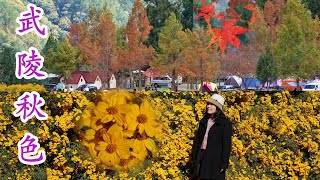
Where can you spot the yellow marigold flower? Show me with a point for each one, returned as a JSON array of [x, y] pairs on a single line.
[[84, 121], [112, 110], [112, 149], [143, 118]]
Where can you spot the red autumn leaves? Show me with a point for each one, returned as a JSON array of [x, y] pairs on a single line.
[[227, 33]]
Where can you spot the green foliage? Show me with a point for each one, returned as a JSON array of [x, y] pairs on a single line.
[[261, 3], [266, 67], [51, 44], [296, 50], [314, 6], [158, 12], [9, 11], [64, 59], [171, 47], [8, 67]]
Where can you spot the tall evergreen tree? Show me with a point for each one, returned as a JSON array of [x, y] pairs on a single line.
[[7, 65], [296, 50], [158, 12], [171, 57], [314, 6], [51, 44], [267, 68], [64, 59]]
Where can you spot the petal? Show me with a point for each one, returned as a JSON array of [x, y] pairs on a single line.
[[124, 108], [123, 154], [116, 138], [150, 130], [131, 122], [141, 128], [92, 150], [115, 130], [150, 144], [107, 118], [141, 155], [145, 107], [93, 124], [101, 146], [113, 158], [128, 133], [106, 138], [137, 146], [90, 134], [119, 119]]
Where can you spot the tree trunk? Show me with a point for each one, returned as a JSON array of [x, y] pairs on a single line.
[[298, 86], [173, 83], [201, 83], [140, 80], [131, 80]]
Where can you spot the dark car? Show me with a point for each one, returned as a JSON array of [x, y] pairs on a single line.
[[90, 87], [50, 87], [87, 87], [80, 88]]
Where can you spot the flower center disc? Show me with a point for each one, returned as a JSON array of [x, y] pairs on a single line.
[[112, 110], [142, 119], [111, 148]]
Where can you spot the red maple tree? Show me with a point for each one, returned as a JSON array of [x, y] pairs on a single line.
[[136, 54]]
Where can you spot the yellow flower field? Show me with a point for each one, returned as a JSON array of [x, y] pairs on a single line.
[[149, 135]]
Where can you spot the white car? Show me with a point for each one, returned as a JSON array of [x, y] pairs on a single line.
[[311, 87], [226, 88], [160, 81]]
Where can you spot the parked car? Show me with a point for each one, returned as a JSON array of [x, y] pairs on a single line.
[[50, 87], [226, 88], [312, 87], [90, 87], [160, 81], [87, 87]]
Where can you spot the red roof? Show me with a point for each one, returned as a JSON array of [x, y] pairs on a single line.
[[151, 73], [89, 76], [74, 78]]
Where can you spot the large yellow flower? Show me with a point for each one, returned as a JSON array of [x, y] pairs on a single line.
[[112, 110], [113, 147], [142, 118], [122, 97], [140, 148], [91, 133]]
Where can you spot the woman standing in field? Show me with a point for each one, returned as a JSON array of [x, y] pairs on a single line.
[[212, 143]]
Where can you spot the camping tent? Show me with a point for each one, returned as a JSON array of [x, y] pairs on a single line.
[[275, 83], [251, 83], [290, 84], [209, 86], [234, 81]]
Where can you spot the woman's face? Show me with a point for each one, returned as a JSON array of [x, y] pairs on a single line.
[[211, 108]]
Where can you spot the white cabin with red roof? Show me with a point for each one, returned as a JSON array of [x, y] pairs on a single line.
[[79, 78]]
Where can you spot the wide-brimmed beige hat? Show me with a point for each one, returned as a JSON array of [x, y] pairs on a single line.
[[217, 100]]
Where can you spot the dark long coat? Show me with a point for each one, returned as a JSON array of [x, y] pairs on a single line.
[[216, 156]]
